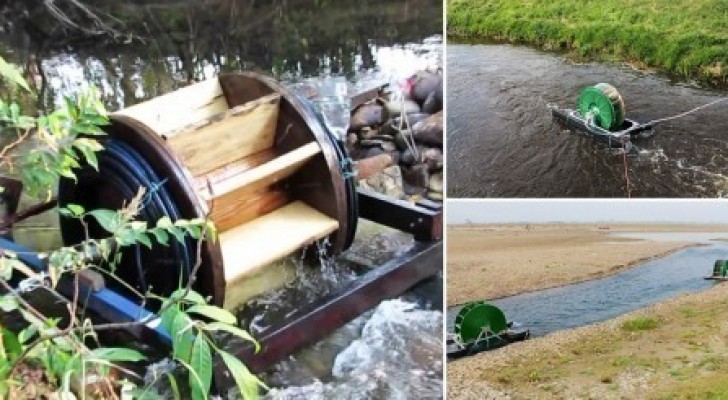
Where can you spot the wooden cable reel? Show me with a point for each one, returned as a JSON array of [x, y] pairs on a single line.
[[240, 145]]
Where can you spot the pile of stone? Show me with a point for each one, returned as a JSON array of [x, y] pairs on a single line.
[[397, 141]]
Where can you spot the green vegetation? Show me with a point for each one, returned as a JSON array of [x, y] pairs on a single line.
[[49, 357], [680, 37], [639, 324]]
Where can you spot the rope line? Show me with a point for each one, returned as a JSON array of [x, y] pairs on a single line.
[[686, 113], [626, 170]]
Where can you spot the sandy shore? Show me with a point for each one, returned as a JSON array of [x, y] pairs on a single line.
[[674, 349], [491, 261], [684, 355]]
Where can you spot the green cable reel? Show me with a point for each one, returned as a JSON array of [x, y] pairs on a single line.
[[720, 268], [476, 316], [604, 103]]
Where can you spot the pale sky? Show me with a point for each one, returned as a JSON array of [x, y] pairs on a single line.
[[589, 210]]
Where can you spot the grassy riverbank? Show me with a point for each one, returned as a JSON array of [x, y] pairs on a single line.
[[688, 38]]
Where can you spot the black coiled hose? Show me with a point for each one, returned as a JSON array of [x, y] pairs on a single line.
[[122, 171]]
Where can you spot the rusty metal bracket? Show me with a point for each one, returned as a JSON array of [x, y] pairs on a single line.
[[423, 221]]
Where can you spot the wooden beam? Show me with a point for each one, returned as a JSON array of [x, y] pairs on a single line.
[[237, 133], [262, 176]]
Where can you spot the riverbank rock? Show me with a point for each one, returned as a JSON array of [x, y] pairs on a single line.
[[368, 115], [398, 107], [429, 131], [406, 133], [388, 182], [371, 166], [426, 86]]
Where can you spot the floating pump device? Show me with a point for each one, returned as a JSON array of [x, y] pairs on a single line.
[[600, 112], [720, 270], [480, 326], [239, 147]]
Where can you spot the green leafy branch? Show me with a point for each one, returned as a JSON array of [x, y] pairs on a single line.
[[62, 139]]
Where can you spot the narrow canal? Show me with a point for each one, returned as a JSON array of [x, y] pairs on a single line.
[[588, 302], [501, 133]]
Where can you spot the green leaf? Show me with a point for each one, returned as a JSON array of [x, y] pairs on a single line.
[[247, 382], [161, 235], [144, 239], [213, 312], [217, 326], [191, 296], [192, 372], [26, 334], [211, 230], [13, 74], [12, 345], [8, 303], [164, 223], [182, 337], [168, 316], [90, 157], [173, 385], [201, 362], [108, 219], [75, 209], [7, 265], [178, 233], [116, 354]]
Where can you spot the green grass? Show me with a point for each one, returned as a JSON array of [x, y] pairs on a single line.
[[688, 38], [639, 324]]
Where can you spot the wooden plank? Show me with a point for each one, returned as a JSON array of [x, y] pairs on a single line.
[[237, 133], [262, 176], [250, 247], [173, 111], [237, 167], [237, 211]]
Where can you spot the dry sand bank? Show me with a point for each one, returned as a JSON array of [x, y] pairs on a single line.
[[679, 350], [674, 349], [491, 261]]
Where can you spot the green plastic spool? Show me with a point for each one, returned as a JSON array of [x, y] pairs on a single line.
[[720, 269], [605, 103], [475, 316]]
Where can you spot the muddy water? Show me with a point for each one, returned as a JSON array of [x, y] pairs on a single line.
[[506, 144], [602, 299]]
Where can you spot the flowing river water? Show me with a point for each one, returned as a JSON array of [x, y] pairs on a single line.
[[393, 351], [505, 144], [580, 304]]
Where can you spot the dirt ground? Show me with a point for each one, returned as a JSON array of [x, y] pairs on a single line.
[[492, 261], [676, 349]]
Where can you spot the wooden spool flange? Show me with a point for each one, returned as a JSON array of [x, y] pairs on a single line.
[[240, 147]]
